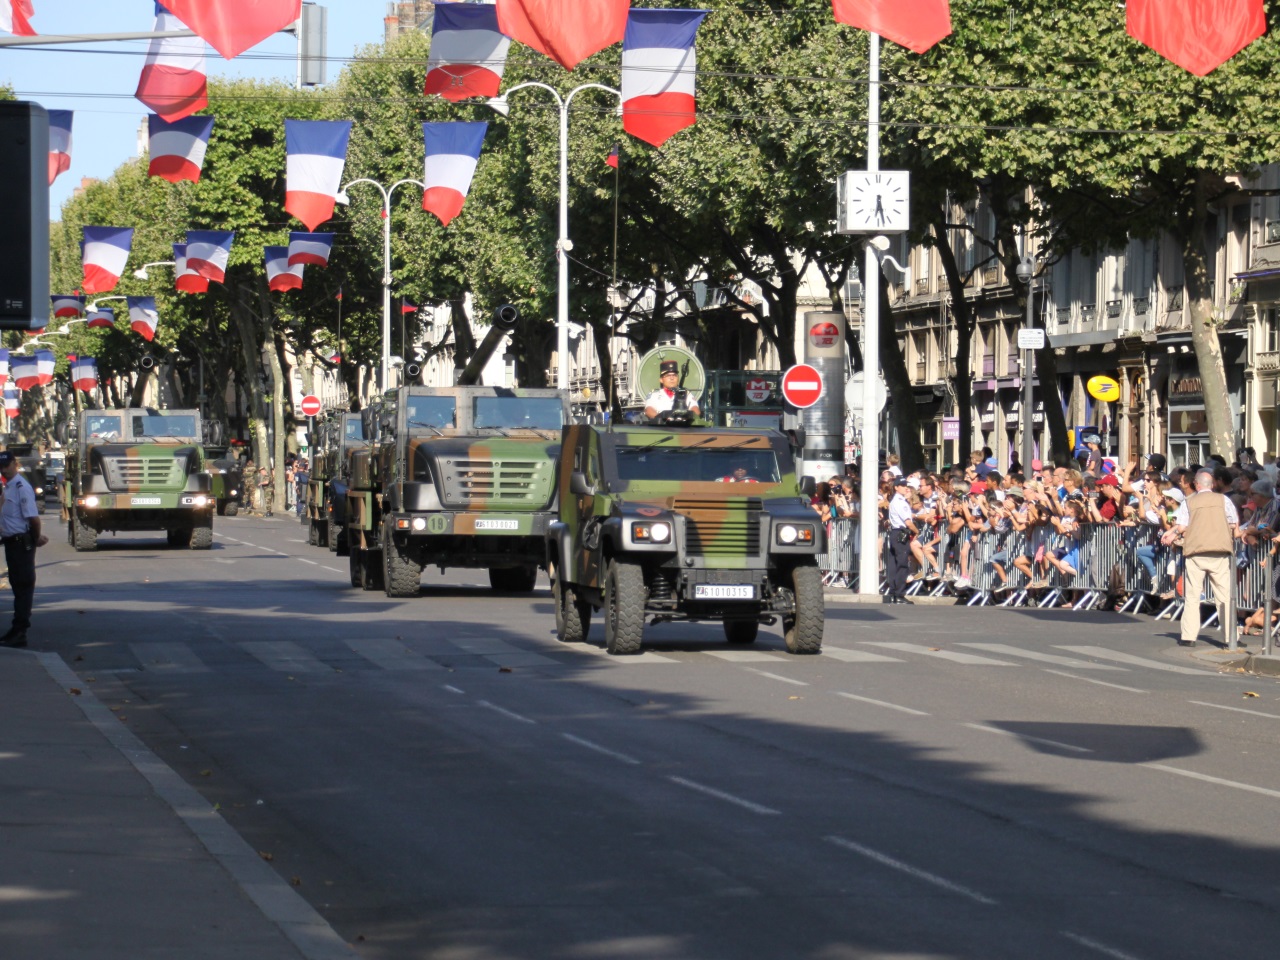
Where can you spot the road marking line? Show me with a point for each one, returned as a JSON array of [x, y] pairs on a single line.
[[1043, 657], [1219, 706], [1106, 654], [292, 540], [304, 560], [453, 689], [599, 749], [1101, 948], [331, 569], [1101, 683], [1022, 736], [727, 797], [504, 711], [916, 872], [882, 703], [1218, 780], [857, 656], [952, 655], [777, 676]]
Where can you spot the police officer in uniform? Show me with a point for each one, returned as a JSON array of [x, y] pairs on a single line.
[[664, 398], [20, 533], [902, 527]]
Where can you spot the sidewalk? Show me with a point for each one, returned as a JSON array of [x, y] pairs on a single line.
[[109, 854]]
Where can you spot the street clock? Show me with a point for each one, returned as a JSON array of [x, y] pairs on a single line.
[[873, 201]]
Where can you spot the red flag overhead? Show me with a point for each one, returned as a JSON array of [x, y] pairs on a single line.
[[1197, 35], [233, 26], [567, 31], [914, 24]]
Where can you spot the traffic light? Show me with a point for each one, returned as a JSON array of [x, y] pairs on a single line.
[[24, 242]]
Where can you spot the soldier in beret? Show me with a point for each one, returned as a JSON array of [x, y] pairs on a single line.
[[664, 398]]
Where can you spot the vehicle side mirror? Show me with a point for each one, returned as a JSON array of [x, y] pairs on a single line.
[[578, 484], [808, 486], [796, 438]]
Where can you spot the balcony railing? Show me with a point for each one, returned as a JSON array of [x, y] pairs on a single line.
[[1114, 308], [1173, 300], [1064, 316], [990, 276], [1267, 362], [922, 286], [1141, 306]]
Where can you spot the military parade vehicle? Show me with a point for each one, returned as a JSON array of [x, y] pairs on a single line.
[[461, 476], [226, 474], [679, 520], [330, 443], [139, 469]]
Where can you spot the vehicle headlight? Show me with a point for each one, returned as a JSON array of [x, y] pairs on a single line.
[[234, 492], [650, 532], [90, 501], [201, 500], [419, 523], [39, 491], [795, 533]]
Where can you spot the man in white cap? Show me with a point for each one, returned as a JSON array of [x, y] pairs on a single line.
[[664, 398], [20, 534]]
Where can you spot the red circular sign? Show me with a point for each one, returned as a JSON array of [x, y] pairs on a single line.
[[802, 386], [758, 391], [824, 334], [310, 406]]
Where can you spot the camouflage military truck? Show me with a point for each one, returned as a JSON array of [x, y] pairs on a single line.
[[324, 516], [139, 469], [664, 523], [226, 475]]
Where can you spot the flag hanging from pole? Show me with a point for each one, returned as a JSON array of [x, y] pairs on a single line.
[[15, 17], [452, 152], [468, 52], [174, 81], [1197, 35], [25, 371], [59, 142], [66, 306], [208, 252], [12, 400], [233, 26], [177, 148], [104, 251], [612, 159], [45, 364], [315, 154], [104, 318], [659, 68], [186, 280], [4, 367], [310, 248], [408, 307], [335, 357], [914, 24], [567, 31], [84, 374], [281, 273], [144, 318]]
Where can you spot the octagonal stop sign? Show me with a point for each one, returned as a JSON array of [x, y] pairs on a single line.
[[310, 406], [802, 386]]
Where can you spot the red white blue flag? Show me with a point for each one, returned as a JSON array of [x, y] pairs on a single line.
[[315, 153], [233, 26], [335, 357], [144, 319], [65, 305], [208, 252], [25, 371], [281, 273], [174, 81], [914, 24], [84, 374], [104, 251], [104, 318], [468, 52], [45, 363], [310, 248], [1197, 35], [15, 17], [452, 152], [4, 367], [186, 280], [567, 31], [59, 142], [12, 400], [177, 148], [658, 73], [612, 158]]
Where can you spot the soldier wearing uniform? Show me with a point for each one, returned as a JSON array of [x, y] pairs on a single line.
[[20, 534], [664, 398], [902, 527]]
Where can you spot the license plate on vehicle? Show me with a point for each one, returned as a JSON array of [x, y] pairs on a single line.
[[724, 591], [145, 501], [497, 524]]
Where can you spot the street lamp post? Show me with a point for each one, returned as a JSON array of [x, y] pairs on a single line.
[[563, 244], [1025, 272], [387, 193]]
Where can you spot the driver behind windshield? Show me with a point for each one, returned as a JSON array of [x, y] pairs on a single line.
[[664, 398]]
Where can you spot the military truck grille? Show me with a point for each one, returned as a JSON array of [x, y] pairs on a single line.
[[498, 482], [712, 531], [132, 473]]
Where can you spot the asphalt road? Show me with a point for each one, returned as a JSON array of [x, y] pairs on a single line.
[[441, 778]]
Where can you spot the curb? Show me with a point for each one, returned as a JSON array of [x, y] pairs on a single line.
[[848, 596]]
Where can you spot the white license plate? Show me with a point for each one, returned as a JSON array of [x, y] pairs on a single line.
[[497, 524], [145, 501], [723, 591]]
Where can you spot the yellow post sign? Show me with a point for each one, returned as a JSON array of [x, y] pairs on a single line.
[[1103, 388]]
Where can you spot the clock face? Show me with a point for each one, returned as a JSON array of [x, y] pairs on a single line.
[[877, 202]]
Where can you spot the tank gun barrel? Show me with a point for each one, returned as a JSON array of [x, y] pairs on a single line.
[[504, 321]]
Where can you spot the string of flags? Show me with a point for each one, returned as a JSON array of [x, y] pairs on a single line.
[[452, 152], [59, 142], [174, 80], [282, 273], [177, 148], [84, 373]]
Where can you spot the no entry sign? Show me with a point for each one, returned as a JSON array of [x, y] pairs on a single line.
[[801, 386], [310, 406]]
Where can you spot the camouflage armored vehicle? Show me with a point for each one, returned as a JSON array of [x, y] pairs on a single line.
[[139, 469], [226, 475], [461, 476], [666, 523], [324, 516]]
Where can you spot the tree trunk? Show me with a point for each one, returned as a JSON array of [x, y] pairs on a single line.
[[897, 381], [248, 333], [962, 314], [278, 382]]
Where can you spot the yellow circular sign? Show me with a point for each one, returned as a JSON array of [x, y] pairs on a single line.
[[1103, 388]]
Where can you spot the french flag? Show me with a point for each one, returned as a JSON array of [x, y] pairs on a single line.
[[208, 252], [186, 280], [143, 316], [45, 363], [26, 372], [104, 318], [315, 153], [65, 306], [174, 80], [914, 24], [4, 367], [105, 251], [12, 398], [567, 31], [15, 17], [177, 149], [282, 273], [335, 357], [233, 26], [59, 142], [310, 248], [468, 52], [84, 374], [658, 73], [452, 151]]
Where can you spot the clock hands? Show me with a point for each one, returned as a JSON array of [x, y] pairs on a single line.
[[879, 210]]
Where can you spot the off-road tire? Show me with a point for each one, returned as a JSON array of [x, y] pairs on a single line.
[[202, 537], [371, 570], [623, 608], [338, 539], [741, 631], [401, 574], [322, 532], [313, 534], [353, 568], [513, 579], [231, 509], [573, 616], [221, 508], [802, 629], [83, 537], [179, 539]]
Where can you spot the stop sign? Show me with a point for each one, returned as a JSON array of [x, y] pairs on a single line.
[[310, 406], [802, 386]]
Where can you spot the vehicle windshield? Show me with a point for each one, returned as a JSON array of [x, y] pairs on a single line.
[[355, 429], [433, 412], [181, 426], [108, 428], [698, 464], [518, 413]]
